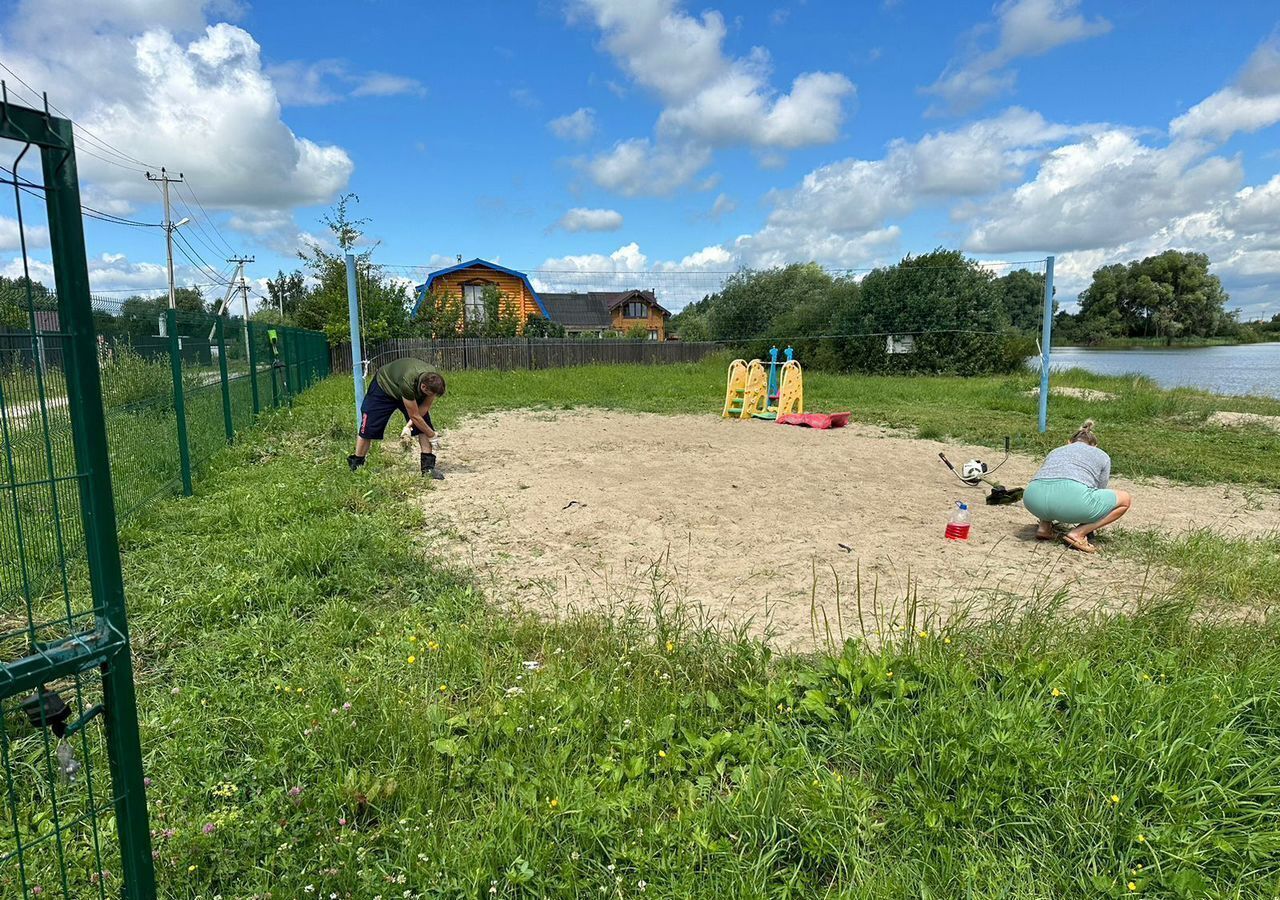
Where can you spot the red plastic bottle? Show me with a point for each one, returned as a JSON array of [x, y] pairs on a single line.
[[958, 524]]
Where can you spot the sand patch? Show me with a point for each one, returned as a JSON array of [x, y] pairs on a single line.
[[1088, 394], [1238, 419], [754, 521]]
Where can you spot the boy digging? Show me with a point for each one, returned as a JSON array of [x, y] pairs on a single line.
[[407, 385]]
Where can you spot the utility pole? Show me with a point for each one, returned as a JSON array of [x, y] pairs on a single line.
[[236, 285], [169, 227]]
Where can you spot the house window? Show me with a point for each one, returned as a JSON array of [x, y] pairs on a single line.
[[635, 309], [653, 334], [473, 301]]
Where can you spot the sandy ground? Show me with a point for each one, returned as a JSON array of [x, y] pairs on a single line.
[[1237, 419], [752, 522]]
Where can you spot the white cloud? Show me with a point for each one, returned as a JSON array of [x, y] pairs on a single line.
[[384, 84], [841, 213], [710, 96], [113, 273], [1250, 104], [1025, 28], [1102, 191], [10, 235], [580, 219], [159, 83], [578, 125], [638, 168], [710, 99], [326, 81], [723, 206]]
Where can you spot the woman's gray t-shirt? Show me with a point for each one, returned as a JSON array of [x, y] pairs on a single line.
[[1078, 462]]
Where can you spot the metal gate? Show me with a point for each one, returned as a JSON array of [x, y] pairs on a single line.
[[71, 827]]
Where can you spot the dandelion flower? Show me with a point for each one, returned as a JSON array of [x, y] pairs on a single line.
[[444, 688], [662, 754], [1131, 886], [1115, 798], [1142, 839], [670, 646], [554, 803], [411, 660], [1056, 692], [924, 634]]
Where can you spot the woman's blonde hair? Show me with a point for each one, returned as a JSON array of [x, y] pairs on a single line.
[[1085, 434]]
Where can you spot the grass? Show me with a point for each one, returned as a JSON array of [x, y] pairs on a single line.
[[326, 713], [1149, 431]]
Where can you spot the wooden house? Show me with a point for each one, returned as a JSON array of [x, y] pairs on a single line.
[[598, 312], [465, 283]]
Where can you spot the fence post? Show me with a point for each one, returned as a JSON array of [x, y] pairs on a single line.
[[98, 513], [253, 367], [226, 382], [1046, 338], [179, 403], [353, 315]]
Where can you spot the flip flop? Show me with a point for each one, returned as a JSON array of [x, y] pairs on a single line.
[[1081, 544]]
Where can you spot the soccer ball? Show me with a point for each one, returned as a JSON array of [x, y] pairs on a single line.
[[973, 470]]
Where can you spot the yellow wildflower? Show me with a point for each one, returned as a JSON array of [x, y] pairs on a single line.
[[1115, 798], [670, 646], [1131, 886], [1142, 839], [444, 688], [924, 634], [662, 754], [554, 804], [411, 660], [413, 639], [191, 868], [1056, 692]]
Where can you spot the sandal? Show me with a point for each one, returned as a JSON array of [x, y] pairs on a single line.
[[1078, 543]]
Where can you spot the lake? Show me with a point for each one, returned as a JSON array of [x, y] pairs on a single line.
[[1238, 369]]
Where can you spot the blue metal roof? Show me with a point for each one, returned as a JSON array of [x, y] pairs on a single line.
[[421, 290]]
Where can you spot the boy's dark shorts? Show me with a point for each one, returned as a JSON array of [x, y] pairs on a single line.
[[376, 411]]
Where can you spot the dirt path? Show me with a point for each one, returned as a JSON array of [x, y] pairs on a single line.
[[752, 521]]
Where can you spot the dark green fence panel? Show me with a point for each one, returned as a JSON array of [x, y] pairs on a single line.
[[105, 404]]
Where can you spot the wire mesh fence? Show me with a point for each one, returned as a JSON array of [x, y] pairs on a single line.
[[74, 813], [509, 354], [105, 404]]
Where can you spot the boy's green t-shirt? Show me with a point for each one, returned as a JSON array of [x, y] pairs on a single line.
[[400, 378]]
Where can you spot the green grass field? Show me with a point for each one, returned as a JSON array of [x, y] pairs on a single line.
[[328, 713]]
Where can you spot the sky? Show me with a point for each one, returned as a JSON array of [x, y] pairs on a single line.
[[660, 136]]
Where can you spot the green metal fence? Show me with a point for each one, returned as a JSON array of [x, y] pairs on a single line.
[[104, 405]]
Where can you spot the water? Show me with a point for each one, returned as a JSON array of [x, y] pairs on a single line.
[[1240, 369]]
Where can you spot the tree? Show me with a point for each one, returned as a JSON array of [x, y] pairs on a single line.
[[951, 306], [288, 292], [637, 333], [539, 327], [382, 300], [16, 301], [1023, 294], [1167, 295]]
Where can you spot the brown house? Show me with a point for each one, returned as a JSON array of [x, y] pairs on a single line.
[[465, 284], [597, 312]]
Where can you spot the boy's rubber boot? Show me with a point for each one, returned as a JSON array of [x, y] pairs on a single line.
[[355, 462], [429, 467]]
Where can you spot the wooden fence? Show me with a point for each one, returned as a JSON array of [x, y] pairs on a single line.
[[523, 353]]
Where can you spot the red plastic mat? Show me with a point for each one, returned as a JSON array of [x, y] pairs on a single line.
[[816, 420]]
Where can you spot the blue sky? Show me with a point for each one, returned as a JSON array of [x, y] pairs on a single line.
[[643, 135]]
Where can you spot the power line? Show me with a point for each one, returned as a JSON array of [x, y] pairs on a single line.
[[105, 145], [191, 192], [192, 256]]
